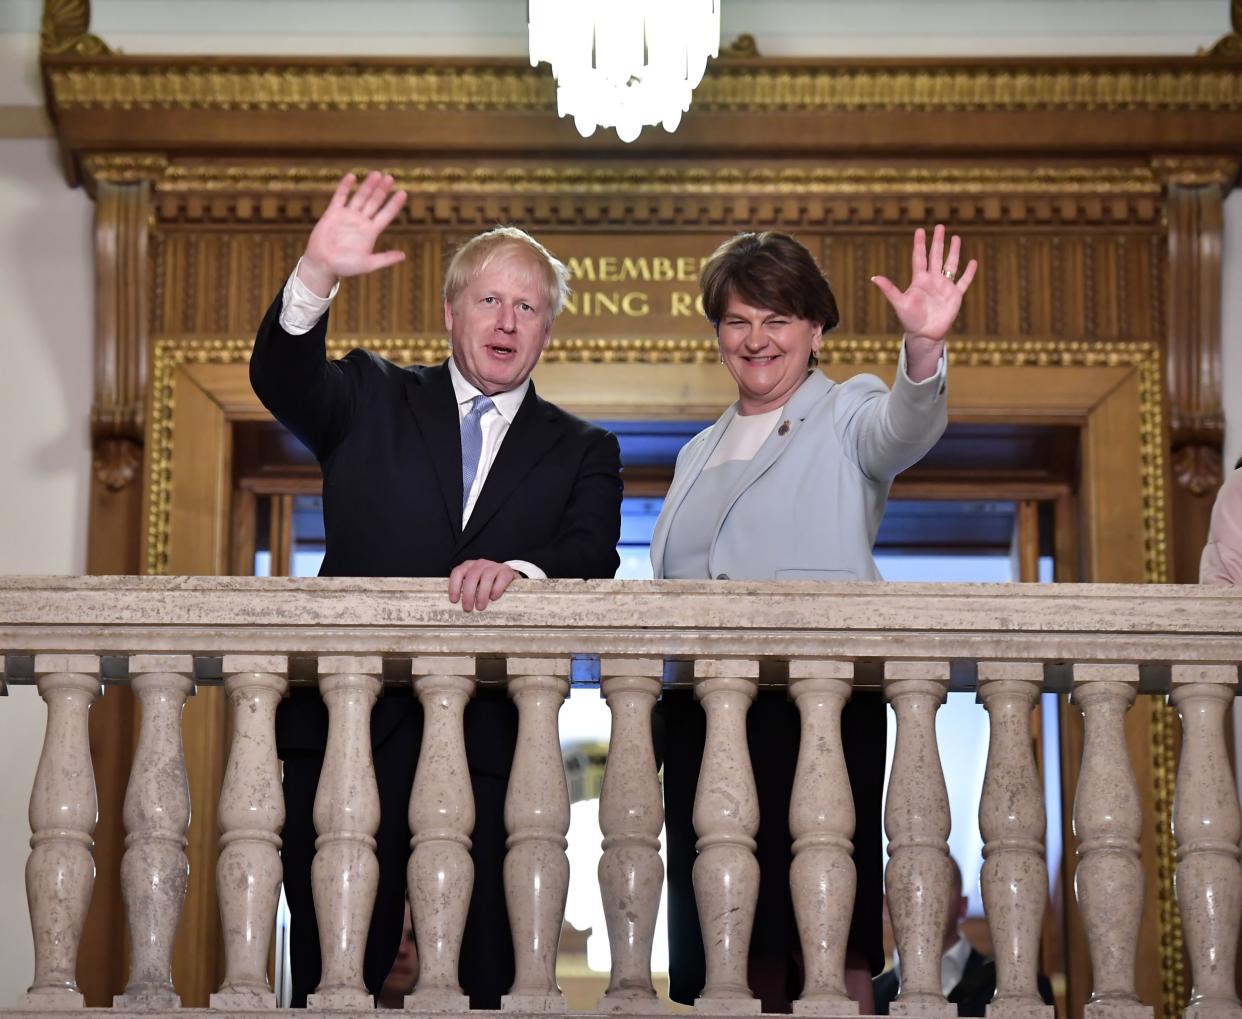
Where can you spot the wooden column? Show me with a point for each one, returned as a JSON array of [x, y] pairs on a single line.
[[1194, 194], [122, 228]]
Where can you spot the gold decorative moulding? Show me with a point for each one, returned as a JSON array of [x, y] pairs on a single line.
[[758, 85]]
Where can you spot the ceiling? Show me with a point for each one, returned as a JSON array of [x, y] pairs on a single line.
[[782, 27]]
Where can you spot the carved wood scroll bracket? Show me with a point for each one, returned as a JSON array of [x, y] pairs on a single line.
[[65, 29], [122, 356], [1231, 44], [1195, 191]]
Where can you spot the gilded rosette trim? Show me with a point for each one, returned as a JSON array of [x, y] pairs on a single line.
[[849, 180], [728, 87], [205, 86], [125, 169], [685, 196], [1191, 171], [1164, 724]]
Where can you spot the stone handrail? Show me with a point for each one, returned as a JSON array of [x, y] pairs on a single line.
[[1102, 643], [210, 616]]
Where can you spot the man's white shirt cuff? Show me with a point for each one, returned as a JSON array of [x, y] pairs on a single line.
[[300, 307], [530, 570]]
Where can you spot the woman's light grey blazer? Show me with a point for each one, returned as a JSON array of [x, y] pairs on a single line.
[[810, 502]]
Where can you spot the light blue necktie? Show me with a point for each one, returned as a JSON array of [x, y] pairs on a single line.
[[472, 444]]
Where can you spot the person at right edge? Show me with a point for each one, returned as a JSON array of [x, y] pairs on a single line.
[[790, 484], [1221, 563]]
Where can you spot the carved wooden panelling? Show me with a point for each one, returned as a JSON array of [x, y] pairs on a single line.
[[221, 283], [1081, 284], [1093, 283], [1066, 252]]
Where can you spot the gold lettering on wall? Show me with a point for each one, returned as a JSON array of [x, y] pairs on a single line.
[[620, 283]]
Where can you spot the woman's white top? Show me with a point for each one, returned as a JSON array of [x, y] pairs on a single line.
[[691, 530]]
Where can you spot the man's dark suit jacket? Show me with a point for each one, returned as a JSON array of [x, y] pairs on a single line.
[[389, 443], [972, 993]]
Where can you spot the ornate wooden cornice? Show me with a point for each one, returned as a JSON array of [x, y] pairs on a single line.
[[766, 108], [685, 195], [737, 85]]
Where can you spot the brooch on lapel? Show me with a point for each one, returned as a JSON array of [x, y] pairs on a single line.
[[784, 428]]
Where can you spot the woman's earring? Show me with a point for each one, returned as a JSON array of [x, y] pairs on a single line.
[[813, 360]]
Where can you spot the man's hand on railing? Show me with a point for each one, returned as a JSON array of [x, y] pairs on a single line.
[[478, 581]]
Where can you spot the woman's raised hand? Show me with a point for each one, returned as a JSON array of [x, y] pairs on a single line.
[[929, 305], [343, 241]]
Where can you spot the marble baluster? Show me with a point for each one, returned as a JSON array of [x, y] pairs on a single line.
[[916, 819], [63, 810], [440, 874], [155, 869], [345, 872], [1107, 822], [536, 871], [631, 814], [726, 818], [1013, 824], [821, 820], [1207, 825], [252, 813]]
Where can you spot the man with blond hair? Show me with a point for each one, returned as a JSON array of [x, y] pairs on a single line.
[[455, 470]]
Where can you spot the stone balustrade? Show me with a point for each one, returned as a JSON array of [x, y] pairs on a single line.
[[1103, 644]]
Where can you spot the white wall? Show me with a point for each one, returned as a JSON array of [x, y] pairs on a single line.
[[1231, 329], [45, 291], [46, 300], [782, 27]]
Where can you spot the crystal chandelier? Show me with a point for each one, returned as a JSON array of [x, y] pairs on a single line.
[[624, 63]]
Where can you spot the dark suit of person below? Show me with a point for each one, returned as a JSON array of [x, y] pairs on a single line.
[[973, 990], [389, 443]]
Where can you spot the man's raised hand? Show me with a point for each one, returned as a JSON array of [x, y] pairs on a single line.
[[343, 241]]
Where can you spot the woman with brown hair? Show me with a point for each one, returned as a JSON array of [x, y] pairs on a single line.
[[790, 484]]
